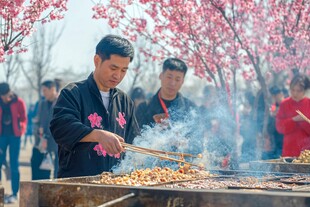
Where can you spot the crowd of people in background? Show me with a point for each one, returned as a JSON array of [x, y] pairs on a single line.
[[65, 126]]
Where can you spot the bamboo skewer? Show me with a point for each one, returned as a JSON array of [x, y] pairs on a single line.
[[160, 156], [158, 153], [161, 152], [303, 116]]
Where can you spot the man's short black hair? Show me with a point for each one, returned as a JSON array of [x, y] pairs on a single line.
[[4, 88], [52, 83], [114, 45], [274, 90], [301, 80], [175, 64], [49, 84], [137, 93]]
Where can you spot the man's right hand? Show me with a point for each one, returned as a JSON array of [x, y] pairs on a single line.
[[158, 118], [110, 142]]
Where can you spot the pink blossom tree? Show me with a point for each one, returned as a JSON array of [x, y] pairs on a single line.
[[223, 40], [17, 19]]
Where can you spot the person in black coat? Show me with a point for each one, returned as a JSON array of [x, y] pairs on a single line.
[[92, 117], [167, 103]]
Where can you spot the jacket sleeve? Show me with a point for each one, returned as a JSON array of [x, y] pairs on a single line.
[[140, 114], [22, 116], [41, 114], [66, 125], [304, 124], [284, 125], [133, 130]]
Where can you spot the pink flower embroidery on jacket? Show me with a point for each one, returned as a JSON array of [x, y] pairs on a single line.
[[121, 119], [95, 120], [102, 152]]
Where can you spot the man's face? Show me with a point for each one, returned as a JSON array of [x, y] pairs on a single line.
[[297, 93], [49, 93], [109, 73], [171, 82], [7, 97]]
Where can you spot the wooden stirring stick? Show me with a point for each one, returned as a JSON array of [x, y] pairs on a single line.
[[303, 116], [162, 152], [161, 156]]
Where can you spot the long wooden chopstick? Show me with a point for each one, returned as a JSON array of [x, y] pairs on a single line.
[[162, 152], [160, 156], [303, 116]]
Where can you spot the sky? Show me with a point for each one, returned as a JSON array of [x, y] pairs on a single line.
[[76, 46]]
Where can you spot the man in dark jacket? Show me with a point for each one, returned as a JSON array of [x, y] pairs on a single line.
[[92, 118], [167, 102], [13, 123], [45, 144]]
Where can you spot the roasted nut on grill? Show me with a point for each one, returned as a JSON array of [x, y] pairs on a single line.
[[155, 176], [304, 157]]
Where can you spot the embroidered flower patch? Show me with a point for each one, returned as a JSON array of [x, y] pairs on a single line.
[[121, 119], [95, 120], [102, 152]]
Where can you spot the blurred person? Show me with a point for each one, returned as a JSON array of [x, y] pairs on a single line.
[[295, 129], [218, 127], [46, 143], [29, 132], [276, 139], [137, 95], [168, 102], [92, 118], [248, 130], [13, 118]]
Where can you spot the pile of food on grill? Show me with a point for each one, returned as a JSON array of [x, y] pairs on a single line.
[[232, 183], [304, 157], [302, 179], [153, 176], [195, 179]]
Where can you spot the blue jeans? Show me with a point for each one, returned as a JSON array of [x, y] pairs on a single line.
[[14, 149]]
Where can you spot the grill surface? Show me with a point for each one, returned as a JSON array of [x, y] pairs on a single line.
[[278, 165], [82, 192]]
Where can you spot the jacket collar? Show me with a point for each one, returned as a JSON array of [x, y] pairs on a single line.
[[94, 88], [179, 96]]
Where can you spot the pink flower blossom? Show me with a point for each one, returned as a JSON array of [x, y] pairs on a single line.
[[102, 152], [18, 19], [95, 120], [121, 119]]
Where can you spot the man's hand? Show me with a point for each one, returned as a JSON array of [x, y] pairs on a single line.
[[110, 142], [158, 118], [298, 118]]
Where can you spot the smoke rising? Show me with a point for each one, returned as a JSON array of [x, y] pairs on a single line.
[[188, 135]]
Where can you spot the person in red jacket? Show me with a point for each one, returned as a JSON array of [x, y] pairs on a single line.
[[295, 129], [13, 122]]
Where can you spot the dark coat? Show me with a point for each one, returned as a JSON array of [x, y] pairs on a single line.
[[177, 109], [70, 124], [45, 114]]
